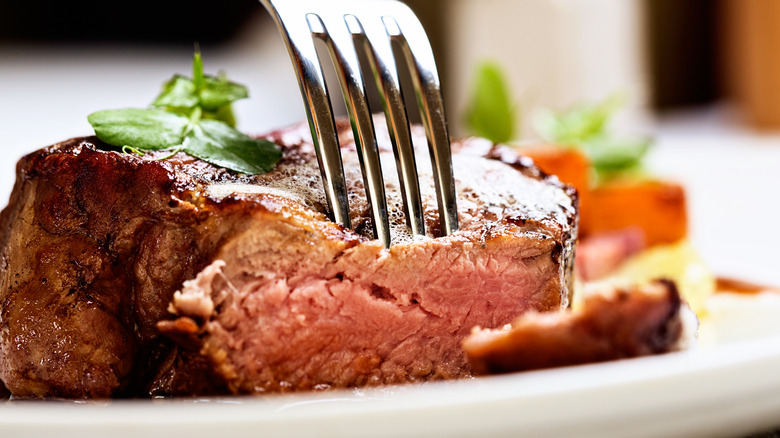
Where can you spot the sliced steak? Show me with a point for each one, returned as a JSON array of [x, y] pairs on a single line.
[[613, 323], [95, 242]]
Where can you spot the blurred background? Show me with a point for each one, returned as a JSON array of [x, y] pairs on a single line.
[[700, 76], [666, 54]]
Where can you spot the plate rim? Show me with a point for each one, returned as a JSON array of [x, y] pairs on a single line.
[[679, 398]]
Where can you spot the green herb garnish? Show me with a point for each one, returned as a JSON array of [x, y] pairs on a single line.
[[491, 113], [587, 127], [190, 115]]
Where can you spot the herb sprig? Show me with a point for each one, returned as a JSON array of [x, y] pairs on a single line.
[[586, 127], [192, 115], [492, 115]]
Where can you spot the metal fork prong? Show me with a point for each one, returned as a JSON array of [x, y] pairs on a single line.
[[404, 28], [335, 34], [372, 37], [410, 37], [300, 45]]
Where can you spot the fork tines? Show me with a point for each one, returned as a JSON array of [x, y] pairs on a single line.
[[346, 26]]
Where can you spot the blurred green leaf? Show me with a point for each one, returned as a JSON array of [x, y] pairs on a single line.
[[586, 127], [578, 123], [490, 113]]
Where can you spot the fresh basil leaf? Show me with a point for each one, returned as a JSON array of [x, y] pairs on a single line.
[[213, 94], [214, 97], [219, 144], [193, 115], [491, 113], [145, 129], [218, 92], [224, 114], [178, 92]]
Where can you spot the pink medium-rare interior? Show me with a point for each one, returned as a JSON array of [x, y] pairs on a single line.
[[283, 313]]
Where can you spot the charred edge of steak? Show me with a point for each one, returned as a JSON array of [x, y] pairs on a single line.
[[5, 394], [185, 373], [72, 269], [9, 214], [617, 324], [526, 166], [106, 239]]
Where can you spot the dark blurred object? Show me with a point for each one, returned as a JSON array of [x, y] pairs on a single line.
[[683, 49], [752, 62], [152, 21]]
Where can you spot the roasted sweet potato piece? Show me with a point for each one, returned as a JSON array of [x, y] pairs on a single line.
[[657, 207]]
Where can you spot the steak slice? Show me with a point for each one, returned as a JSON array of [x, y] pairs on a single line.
[[95, 243], [614, 322]]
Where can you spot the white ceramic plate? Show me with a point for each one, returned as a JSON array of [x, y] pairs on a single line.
[[728, 390]]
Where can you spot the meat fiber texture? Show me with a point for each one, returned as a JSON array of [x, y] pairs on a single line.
[[270, 295]]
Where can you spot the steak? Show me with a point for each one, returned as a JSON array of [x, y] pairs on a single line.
[[614, 322], [272, 295]]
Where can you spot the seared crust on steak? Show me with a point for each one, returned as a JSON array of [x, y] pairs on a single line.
[[615, 322], [95, 242]]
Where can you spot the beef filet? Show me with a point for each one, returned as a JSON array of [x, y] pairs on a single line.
[[95, 243]]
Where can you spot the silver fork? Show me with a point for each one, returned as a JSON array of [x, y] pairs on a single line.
[[346, 26]]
